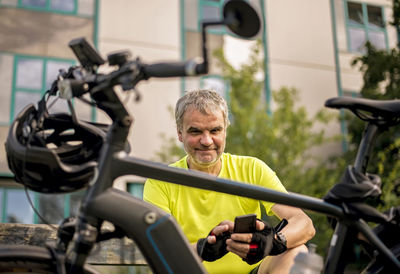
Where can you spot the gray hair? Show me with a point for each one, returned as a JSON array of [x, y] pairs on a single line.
[[203, 100]]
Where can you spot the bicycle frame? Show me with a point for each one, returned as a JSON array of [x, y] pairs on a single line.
[[149, 226]]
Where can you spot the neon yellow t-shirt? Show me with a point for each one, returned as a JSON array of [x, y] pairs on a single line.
[[198, 211]]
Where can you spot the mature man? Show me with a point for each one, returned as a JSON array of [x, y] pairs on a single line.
[[206, 217]]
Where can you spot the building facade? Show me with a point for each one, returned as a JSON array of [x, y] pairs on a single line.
[[307, 45]]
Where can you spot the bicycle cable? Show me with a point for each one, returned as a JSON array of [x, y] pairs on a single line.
[[37, 212]]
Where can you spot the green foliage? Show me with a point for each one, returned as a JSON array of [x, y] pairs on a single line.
[[390, 174], [381, 73], [171, 151], [396, 14]]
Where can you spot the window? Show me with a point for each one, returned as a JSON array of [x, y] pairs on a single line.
[[194, 14], [15, 206], [217, 83], [51, 207], [211, 10], [55, 207], [52, 5], [34, 3], [63, 5], [136, 189], [365, 23], [75, 7], [32, 77]]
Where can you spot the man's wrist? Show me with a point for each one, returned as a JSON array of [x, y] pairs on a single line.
[[279, 244]]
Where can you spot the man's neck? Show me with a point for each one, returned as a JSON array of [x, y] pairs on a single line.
[[213, 169]]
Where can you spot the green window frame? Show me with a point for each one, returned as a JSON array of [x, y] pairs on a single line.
[[365, 22], [50, 5], [211, 5], [67, 7], [32, 76]]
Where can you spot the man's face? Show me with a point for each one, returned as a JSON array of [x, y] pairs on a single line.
[[203, 137]]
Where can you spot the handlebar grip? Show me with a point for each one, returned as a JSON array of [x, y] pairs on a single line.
[[175, 69]]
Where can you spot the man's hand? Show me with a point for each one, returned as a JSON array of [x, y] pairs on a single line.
[[213, 246], [241, 243], [253, 247]]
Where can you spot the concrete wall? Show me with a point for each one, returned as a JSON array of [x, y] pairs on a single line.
[[151, 31], [39, 33], [301, 54], [6, 64]]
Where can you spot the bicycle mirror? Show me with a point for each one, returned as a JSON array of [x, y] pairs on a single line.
[[241, 18]]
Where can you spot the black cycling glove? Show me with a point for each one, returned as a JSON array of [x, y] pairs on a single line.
[[264, 243], [211, 252]]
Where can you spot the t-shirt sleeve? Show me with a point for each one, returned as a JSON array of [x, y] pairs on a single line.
[[268, 179], [156, 192]]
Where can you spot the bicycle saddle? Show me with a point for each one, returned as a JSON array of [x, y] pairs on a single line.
[[387, 109]]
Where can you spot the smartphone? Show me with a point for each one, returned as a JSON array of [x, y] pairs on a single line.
[[245, 223]]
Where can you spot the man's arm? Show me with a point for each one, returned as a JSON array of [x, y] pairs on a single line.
[[300, 228]]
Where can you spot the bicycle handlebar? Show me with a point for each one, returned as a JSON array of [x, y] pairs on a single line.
[[129, 74], [175, 69]]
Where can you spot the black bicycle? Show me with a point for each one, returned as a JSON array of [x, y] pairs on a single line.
[[92, 156]]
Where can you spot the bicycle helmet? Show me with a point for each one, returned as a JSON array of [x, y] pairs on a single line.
[[52, 153]]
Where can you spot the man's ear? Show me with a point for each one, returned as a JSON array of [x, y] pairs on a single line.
[[179, 135]]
